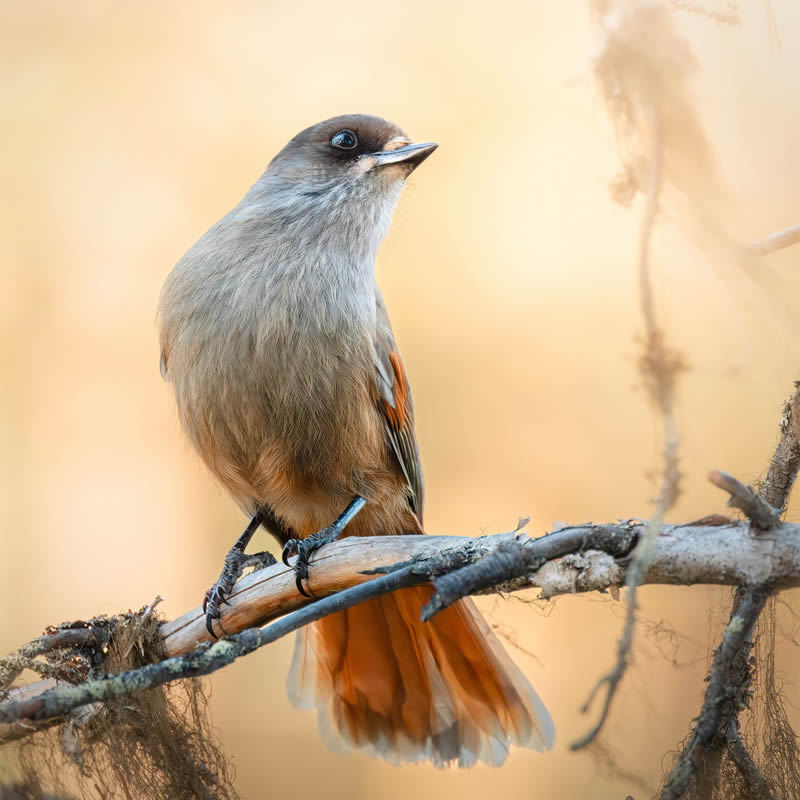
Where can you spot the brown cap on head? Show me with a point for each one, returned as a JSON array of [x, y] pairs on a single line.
[[340, 142]]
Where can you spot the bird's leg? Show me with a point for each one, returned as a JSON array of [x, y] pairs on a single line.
[[305, 547], [235, 563]]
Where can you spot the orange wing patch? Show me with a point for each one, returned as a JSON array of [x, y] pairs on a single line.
[[397, 414]]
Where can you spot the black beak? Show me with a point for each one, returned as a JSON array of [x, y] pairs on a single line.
[[411, 154]]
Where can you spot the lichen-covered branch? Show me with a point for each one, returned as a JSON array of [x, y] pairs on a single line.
[[731, 672], [745, 764], [581, 558], [719, 691], [200, 661], [782, 473], [684, 555]]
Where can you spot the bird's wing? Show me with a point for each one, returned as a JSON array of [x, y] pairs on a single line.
[[162, 364], [164, 346], [394, 400]]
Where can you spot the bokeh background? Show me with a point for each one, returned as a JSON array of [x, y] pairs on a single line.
[[128, 129]]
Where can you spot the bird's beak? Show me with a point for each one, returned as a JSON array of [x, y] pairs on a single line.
[[411, 154]]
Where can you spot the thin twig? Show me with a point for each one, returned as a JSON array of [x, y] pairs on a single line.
[[775, 241], [520, 558], [659, 367], [25, 657], [756, 509]]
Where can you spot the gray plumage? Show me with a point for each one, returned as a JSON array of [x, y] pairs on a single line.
[[270, 325], [288, 382]]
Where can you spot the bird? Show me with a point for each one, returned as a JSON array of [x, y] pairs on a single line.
[[277, 342]]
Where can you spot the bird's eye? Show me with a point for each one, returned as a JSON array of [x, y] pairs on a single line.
[[344, 140]]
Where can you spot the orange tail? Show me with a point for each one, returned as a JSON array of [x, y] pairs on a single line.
[[443, 691]]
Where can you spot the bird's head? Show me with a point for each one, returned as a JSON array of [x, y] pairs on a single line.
[[347, 168]]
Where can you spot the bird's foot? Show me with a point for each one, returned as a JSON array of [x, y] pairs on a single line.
[[304, 548], [236, 562]]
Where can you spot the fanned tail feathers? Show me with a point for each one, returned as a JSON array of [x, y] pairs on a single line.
[[443, 691]]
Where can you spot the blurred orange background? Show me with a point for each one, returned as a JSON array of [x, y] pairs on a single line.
[[510, 277]]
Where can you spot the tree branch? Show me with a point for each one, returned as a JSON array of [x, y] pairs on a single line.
[[745, 764], [201, 661], [782, 473], [582, 558], [764, 555], [731, 671], [684, 555], [718, 692]]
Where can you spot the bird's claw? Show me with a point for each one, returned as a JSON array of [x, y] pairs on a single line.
[[297, 547], [214, 598], [303, 548], [235, 563]]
